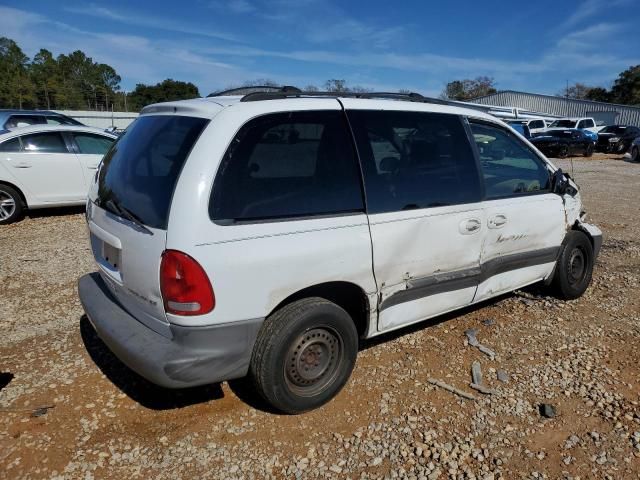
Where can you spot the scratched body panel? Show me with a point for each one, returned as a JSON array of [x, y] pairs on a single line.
[[419, 244]]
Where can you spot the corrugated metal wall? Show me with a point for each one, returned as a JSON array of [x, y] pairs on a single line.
[[625, 115]]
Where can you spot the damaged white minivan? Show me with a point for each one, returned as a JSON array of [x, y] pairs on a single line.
[[264, 235]]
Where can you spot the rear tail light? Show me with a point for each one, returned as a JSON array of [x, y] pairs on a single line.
[[184, 285]]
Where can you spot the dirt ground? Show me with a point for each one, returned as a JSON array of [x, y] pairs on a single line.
[[70, 409]]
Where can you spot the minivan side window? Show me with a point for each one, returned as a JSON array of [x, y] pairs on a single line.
[[50, 142], [509, 167], [413, 160], [288, 165]]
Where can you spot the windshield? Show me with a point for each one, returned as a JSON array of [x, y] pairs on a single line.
[[140, 171], [614, 129], [563, 124]]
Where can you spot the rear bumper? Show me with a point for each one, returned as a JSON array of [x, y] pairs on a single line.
[[194, 356]]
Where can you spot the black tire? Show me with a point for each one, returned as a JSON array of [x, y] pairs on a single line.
[[635, 154], [574, 267], [589, 150], [304, 355], [11, 206], [563, 151]]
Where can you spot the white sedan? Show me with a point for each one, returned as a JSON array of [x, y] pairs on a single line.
[[48, 166]]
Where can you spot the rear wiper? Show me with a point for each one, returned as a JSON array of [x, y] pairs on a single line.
[[126, 213]]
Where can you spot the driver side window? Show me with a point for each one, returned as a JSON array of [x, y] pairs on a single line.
[[509, 167]]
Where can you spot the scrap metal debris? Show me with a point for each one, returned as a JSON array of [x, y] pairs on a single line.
[[451, 389], [473, 341], [476, 376], [35, 412]]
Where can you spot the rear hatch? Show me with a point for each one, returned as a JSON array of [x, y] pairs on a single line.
[[128, 210]]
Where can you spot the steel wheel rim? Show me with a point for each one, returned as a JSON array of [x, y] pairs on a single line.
[[313, 360], [7, 205], [577, 266]]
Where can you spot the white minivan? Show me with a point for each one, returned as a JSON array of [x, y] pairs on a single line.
[[264, 235]]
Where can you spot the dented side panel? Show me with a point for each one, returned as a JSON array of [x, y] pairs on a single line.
[[414, 245], [520, 226]]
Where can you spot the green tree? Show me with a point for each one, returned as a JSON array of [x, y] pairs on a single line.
[[165, 91], [44, 74], [16, 88], [598, 94], [469, 89], [626, 89]]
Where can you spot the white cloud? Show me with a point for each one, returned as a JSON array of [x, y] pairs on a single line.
[[144, 20]]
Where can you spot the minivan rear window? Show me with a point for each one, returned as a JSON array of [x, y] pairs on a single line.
[[140, 171]]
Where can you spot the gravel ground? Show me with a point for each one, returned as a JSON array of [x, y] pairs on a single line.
[[71, 410]]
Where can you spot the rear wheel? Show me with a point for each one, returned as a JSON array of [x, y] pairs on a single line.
[[304, 354], [574, 267], [10, 205], [563, 151], [589, 150]]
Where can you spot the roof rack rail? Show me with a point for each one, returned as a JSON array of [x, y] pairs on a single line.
[[249, 90], [407, 97]]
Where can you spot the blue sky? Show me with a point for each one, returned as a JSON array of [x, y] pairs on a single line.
[[525, 45]]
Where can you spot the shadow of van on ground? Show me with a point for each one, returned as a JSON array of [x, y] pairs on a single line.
[[136, 387]]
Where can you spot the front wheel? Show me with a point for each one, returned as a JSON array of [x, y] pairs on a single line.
[[589, 150], [635, 154], [304, 355], [563, 152], [10, 205], [574, 267]]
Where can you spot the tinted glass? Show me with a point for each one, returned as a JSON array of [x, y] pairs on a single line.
[[23, 121], [614, 129], [50, 142], [92, 144], [414, 160], [287, 165], [12, 145], [509, 167], [141, 169], [563, 124], [588, 123]]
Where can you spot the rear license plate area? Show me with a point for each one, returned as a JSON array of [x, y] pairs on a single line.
[[111, 256]]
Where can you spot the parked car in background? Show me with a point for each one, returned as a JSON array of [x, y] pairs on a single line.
[[561, 143], [22, 118], [521, 128], [617, 138], [586, 124], [635, 150], [48, 166], [237, 236], [535, 126]]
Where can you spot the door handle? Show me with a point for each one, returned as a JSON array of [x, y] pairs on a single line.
[[497, 221], [470, 226]]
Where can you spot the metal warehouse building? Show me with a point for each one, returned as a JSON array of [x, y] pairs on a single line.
[[609, 113]]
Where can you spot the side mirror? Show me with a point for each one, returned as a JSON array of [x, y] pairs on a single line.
[[560, 183]]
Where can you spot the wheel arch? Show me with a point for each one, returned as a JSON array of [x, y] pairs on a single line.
[[17, 189], [349, 296]]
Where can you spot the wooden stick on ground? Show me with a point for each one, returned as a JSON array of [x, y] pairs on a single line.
[[451, 389]]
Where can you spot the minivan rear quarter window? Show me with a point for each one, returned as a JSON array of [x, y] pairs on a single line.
[[140, 171], [288, 165]]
